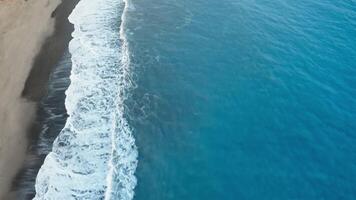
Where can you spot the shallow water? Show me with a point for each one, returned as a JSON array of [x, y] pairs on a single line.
[[94, 156]]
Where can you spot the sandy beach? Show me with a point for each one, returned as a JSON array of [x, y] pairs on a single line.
[[24, 27]]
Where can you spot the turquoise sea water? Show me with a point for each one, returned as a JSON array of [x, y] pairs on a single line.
[[242, 99], [201, 100]]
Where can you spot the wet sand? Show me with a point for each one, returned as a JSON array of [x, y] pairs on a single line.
[[33, 36]]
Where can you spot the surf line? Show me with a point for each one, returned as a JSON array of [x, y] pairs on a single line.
[[118, 186]]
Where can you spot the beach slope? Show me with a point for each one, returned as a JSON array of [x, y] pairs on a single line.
[[24, 27]]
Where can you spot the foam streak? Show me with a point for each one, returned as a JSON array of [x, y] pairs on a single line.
[[94, 156]]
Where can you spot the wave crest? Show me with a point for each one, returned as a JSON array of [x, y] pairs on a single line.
[[94, 156]]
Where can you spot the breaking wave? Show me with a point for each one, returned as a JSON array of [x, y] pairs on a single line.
[[94, 156]]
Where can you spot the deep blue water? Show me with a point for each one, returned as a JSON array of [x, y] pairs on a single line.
[[242, 99]]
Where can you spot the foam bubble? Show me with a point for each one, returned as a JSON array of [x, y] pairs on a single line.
[[94, 156]]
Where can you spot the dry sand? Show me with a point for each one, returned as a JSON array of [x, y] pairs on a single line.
[[24, 26]]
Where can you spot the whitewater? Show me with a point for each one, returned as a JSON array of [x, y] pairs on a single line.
[[94, 156]]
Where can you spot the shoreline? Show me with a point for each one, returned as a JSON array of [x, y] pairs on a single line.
[[34, 41], [51, 51]]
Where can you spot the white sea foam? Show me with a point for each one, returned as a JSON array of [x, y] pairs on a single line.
[[94, 156]]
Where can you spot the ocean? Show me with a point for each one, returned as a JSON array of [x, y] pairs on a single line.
[[230, 99]]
